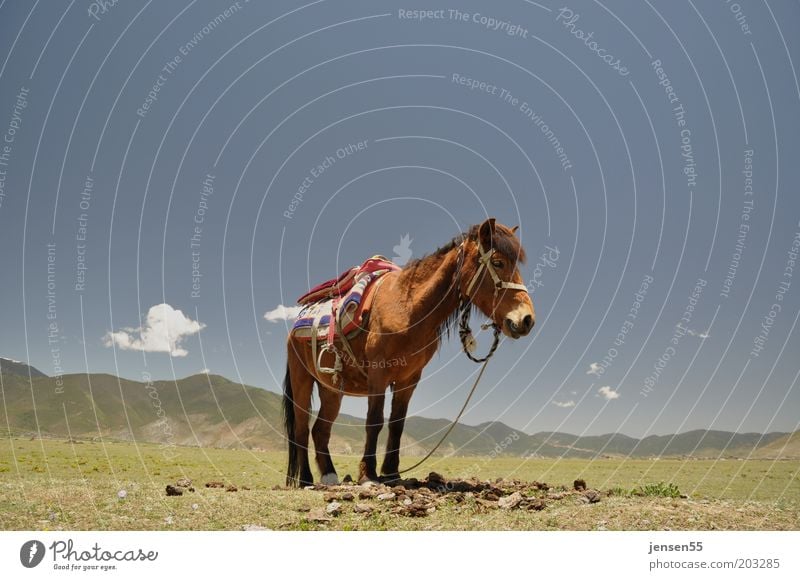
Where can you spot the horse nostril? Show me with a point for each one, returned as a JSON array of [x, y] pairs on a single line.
[[527, 322]]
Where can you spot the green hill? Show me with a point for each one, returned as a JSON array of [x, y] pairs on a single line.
[[212, 411]]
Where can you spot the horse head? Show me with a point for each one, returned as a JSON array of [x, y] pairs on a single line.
[[490, 277]]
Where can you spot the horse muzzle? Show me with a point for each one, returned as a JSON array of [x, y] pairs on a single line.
[[519, 327]]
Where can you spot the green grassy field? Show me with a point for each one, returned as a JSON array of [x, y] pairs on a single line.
[[56, 484]]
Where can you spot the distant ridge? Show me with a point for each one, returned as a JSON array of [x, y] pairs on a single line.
[[211, 411], [14, 367]]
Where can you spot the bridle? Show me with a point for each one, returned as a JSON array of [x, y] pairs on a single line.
[[465, 332], [468, 343]]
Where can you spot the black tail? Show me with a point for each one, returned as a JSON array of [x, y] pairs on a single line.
[[293, 470]]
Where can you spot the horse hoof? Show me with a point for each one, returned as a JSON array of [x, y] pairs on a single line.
[[330, 479], [390, 479], [368, 482]]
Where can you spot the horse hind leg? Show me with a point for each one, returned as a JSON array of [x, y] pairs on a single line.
[[330, 402], [297, 388]]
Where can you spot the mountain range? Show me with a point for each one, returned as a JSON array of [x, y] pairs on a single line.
[[211, 411]]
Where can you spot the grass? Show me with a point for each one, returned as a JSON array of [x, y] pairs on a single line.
[[56, 484]]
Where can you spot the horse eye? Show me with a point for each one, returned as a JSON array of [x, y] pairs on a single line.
[[497, 263]]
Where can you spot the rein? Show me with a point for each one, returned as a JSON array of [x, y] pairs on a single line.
[[468, 343]]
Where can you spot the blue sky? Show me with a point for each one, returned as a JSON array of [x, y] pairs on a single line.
[[221, 158]]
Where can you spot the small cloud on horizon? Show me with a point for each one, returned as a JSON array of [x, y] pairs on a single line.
[[564, 404], [205, 372], [163, 330], [595, 369], [703, 334], [282, 312], [608, 393]]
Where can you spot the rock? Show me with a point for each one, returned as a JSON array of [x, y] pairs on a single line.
[[536, 504], [255, 528], [318, 516], [436, 479], [510, 502], [211, 484], [491, 496], [366, 494], [172, 490], [330, 496], [579, 485], [389, 495], [231, 487], [184, 482], [334, 508], [592, 495], [362, 508], [347, 496], [191, 489]]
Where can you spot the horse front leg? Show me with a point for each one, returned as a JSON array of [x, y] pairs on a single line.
[[330, 402], [367, 467], [401, 396]]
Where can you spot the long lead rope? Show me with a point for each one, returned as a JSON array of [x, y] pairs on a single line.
[[466, 336], [453, 424]]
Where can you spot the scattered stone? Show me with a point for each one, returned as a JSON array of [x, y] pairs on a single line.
[[387, 496], [592, 495], [191, 488], [172, 490], [334, 508], [536, 504], [436, 479], [122, 494], [365, 494], [195, 506], [579, 485], [254, 528], [318, 516], [231, 487], [347, 496], [510, 502], [212, 484], [362, 508], [244, 487], [184, 482]]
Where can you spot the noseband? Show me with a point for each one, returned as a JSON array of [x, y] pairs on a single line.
[[468, 342]]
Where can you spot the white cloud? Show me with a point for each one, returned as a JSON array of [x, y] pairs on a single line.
[[282, 313], [163, 331], [564, 404], [609, 393], [205, 372], [595, 369], [703, 334]]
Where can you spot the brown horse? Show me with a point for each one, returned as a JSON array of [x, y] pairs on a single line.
[[411, 310]]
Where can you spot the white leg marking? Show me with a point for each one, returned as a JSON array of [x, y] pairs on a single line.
[[330, 479]]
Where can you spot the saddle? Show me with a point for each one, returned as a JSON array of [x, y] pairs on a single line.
[[338, 310]]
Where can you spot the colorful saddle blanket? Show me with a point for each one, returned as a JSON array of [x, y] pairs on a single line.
[[344, 300]]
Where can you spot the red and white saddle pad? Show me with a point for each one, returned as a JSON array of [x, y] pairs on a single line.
[[345, 298]]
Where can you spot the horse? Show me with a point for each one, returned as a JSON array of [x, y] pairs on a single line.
[[412, 310]]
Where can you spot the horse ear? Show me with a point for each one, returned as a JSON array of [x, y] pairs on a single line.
[[514, 229], [486, 233]]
